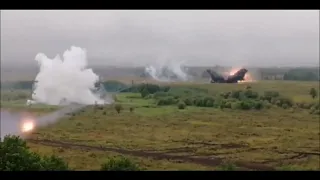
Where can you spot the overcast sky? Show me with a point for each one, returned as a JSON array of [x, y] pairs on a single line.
[[132, 37]]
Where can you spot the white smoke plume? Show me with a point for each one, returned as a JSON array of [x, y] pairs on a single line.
[[168, 71], [66, 80]]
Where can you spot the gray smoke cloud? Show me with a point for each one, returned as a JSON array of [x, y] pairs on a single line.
[[168, 71]]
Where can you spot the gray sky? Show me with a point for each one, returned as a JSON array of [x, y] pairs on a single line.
[[132, 37]]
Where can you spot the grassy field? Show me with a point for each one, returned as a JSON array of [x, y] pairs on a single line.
[[195, 138]]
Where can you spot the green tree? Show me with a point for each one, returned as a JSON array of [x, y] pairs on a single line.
[[16, 156]]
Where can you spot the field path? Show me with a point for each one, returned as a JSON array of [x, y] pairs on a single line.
[[213, 162]]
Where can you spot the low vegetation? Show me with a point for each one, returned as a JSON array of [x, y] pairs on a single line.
[[245, 99], [15, 155], [158, 127]]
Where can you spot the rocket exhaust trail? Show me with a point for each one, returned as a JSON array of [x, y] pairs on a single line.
[[20, 125]]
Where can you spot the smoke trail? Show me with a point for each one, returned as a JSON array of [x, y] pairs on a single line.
[[168, 71], [9, 123], [12, 123], [66, 81]]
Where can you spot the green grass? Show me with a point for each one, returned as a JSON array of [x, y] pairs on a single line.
[[270, 136]]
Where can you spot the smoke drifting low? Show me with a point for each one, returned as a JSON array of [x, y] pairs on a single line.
[[66, 80], [9, 123], [168, 71]]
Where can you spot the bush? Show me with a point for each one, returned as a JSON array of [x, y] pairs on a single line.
[[118, 108], [258, 105], [304, 105], [313, 93], [160, 94], [144, 93], [119, 163], [268, 95], [15, 156], [181, 105], [236, 94], [131, 109], [165, 88], [225, 95], [285, 106], [167, 101], [150, 88], [245, 105], [280, 101], [188, 102], [236, 105], [251, 94], [267, 105], [228, 104], [54, 163], [315, 109], [209, 103]]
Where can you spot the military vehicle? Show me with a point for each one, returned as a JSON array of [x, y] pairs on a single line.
[[234, 78]]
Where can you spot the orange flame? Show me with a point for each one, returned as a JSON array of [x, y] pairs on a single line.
[[247, 76], [27, 125]]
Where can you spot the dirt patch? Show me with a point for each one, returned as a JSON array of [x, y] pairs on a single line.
[[155, 155]]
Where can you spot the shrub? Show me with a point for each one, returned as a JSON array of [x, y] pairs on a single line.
[[267, 105], [280, 101], [313, 92], [285, 106], [236, 94], [225, 95], [181, 105], [187, 101], [160, 94], [118, 108], [258, 105], [149, 96], [268, 95], [236, 105], [315, 109], [144, 93], [151, 88], [251, 94], [227, 167], [304, 105], [119, 163], [165, 88], [245, 105], [166, 101], [54, 163], [228, 104], [16, 156], [209, 103], [131, 109]]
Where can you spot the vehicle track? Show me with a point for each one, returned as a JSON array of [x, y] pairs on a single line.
[[212, 162]]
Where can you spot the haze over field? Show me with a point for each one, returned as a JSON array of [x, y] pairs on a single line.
[[139, 38]]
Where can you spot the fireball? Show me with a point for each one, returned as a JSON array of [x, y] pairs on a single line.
[[247, 76], [27, 126]]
